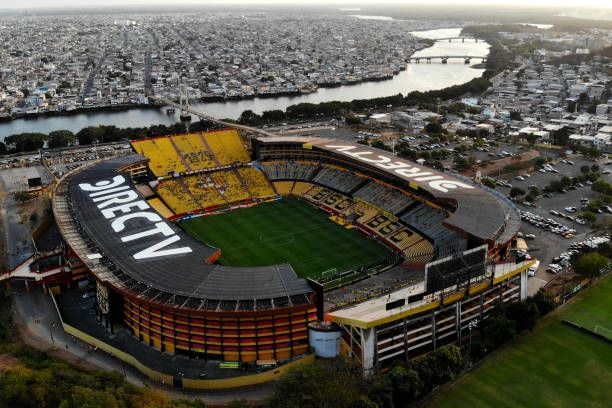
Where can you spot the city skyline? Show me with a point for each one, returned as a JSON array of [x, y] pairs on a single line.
[[602, 4]]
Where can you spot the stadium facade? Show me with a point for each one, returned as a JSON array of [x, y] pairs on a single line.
[[170, 292]]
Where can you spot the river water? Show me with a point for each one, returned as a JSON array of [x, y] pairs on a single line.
[[416, 77]]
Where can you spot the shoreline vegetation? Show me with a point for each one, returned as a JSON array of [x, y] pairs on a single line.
[[497, 60], [210, 99]]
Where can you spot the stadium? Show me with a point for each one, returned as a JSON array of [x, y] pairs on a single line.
[[266, 249]]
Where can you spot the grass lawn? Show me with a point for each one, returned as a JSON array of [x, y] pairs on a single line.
[[594, 309], [555, 366], [287, 230]]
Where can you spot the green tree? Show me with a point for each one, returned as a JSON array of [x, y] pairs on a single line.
[[324, 383], [352, 120], [271, 116], [89, 135], [516, 192], [498, 329], [489, 182], [588, 217], [21, 196], [601, 186], [590, 265], [248, 117], [379, 144], [515, 115], [524, 314], [565, 181], [434, 128], [585, 169], [406, 384], [60, 138], [544, 302], [534, 190], [26, 142], [531, 139]]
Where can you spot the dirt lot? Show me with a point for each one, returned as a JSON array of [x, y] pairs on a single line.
[[493, 167]]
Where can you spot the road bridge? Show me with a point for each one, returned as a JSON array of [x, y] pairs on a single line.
[[209, 118], [450, 39], [444, 58]]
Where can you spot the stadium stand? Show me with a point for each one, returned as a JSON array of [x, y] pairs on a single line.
[[428, 220], [227, 147], [317, 194], [164, 159], [256, 182], [283, 187], [230, 186], [193, 151], [339, 180], [419, 253], [300, 188], [177, 196], [364, 211], [160, 207], [204, 190], [387, 198], [404, 238], [290, 170]]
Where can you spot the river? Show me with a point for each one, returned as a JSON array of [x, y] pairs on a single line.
[[416, 77]]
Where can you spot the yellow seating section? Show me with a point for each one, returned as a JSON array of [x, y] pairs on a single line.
[[404, 238], [420, 253], [283, 187], [230, 186], [204, 191], [256, 182], [194, 152], [177, 196], [163, 157], [227, 146], [364, 211], [332, 199], [300, 188], [344, 206], [159, 206]]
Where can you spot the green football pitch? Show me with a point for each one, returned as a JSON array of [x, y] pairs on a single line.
[[555, 366], [286, 231]]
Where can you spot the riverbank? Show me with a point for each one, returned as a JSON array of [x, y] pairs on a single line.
[[84, 109], [415, 77]]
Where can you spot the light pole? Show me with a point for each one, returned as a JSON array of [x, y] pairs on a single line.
[[51, 325], [472, 324]]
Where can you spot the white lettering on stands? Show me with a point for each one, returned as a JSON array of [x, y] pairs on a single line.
[[405, 170], [108, 192]]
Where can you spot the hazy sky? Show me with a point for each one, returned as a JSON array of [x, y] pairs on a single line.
[[340, 3]]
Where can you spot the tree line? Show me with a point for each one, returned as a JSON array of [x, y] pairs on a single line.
[[308, 111], [27, 142], [338, 383]]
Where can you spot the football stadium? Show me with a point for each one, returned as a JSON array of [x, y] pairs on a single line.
[[264, 250]]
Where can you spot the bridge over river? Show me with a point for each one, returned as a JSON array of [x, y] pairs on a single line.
[[444, 58]]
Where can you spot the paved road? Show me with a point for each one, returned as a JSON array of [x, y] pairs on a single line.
[[36, 313], [17, 236]]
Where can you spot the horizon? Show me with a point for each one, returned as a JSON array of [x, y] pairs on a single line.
[[541, 4]]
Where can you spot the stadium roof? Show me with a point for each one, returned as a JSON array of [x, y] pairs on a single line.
[[158, 256], [482, 213]]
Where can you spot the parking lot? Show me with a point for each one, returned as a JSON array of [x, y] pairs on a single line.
[[548, 244]]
